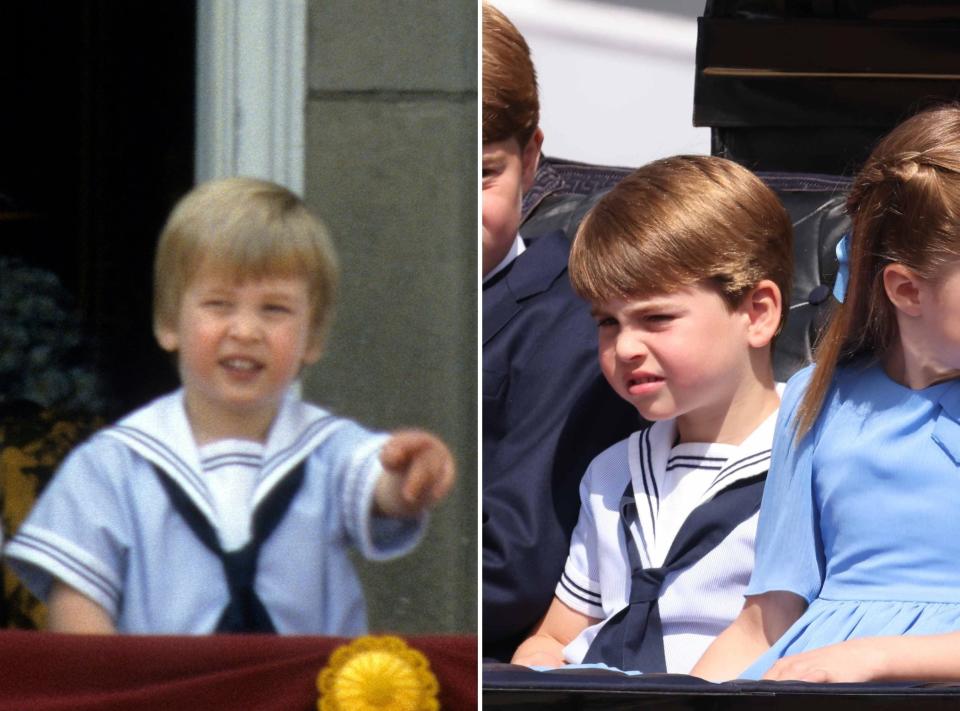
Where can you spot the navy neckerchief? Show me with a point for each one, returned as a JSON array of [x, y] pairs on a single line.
[[245, 611], [632, 639]]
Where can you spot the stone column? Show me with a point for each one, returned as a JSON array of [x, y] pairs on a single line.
[[391, 167]]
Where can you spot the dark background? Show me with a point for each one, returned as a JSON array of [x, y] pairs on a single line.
[[96, 145]]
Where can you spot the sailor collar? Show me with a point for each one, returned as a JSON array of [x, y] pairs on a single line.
[[649, 450], [160, 433]]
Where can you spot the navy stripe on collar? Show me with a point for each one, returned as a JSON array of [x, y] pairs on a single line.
[[169, 457], [313, 429], [646, 469], [751, 460]]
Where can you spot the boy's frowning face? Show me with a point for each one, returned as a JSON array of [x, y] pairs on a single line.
[[239, 345], [680, 355], [508, 173]]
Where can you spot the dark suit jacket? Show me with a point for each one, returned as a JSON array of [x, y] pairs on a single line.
[[547, 411]]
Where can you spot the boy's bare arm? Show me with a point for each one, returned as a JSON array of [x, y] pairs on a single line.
[[556, 630], [418, 473], [762, 621], [71, 611]]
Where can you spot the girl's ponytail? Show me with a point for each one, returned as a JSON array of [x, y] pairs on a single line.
[[905, 207]]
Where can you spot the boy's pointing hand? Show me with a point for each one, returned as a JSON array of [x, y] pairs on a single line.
[[418, 473]]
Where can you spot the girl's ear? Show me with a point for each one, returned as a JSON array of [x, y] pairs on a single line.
[[903, 288], [763, 306]]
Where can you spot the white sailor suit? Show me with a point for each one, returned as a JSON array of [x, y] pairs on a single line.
[[107, 525], [667, 484]]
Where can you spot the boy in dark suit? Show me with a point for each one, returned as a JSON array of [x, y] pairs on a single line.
[[546, 408]]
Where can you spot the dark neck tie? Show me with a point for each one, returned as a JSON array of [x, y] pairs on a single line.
[[632, 639], [245, 612]]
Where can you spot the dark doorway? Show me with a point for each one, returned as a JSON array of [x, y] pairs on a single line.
[[97, 131]]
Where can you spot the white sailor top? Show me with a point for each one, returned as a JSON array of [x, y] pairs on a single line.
[[697, 602], [106, 526]]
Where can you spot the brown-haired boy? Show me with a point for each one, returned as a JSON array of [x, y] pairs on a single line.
[[684, 263], [546, 409]]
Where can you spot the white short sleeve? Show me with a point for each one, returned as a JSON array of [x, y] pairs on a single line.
[[579, 586], [77, 531]]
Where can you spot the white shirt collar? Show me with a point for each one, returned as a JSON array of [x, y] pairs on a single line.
[[516, 249]]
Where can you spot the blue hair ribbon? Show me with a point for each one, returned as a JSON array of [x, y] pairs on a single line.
[[843, 268]]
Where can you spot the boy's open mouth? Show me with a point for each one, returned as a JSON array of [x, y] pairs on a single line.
[[642, 384], [242, 365]]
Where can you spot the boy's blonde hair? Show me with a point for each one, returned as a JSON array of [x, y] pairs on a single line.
[[683, 221], [511, 106], [248, 229]]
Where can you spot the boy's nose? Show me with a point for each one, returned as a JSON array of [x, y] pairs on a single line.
[[245, 326], [631, 347]]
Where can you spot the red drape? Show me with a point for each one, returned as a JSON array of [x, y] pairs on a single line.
[[50, 672]]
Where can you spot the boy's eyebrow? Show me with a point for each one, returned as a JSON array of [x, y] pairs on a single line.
[[285, 293], [653, 304], [638, 306], [215, 289]]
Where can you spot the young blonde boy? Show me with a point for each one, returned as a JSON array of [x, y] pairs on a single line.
[[685, 264], [229, 505]]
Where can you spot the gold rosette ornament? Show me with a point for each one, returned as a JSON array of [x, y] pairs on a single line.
[[377, 674]]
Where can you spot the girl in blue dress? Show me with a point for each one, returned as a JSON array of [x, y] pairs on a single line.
[[857, 573]]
